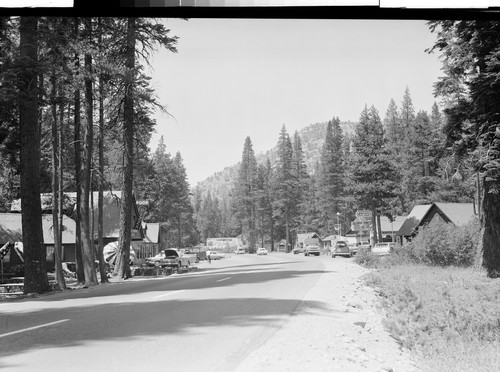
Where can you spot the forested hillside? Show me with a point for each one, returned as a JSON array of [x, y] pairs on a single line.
[[315, 179], [312, 136]]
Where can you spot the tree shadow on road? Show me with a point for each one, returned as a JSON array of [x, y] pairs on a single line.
[[127, 321]]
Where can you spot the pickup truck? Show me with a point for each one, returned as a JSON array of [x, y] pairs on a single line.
[[169, 258]]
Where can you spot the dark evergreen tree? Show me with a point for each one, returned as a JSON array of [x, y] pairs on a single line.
[[372, 174], [283, 188], [471, 88], [301, 182], [331, 177], [245, 193], [264, 202], [35, 275]]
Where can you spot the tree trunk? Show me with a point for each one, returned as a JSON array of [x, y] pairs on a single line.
[[271, 230], [100, 197], [379, 228], [490, 229], [122, 268], [56, 231], [61, 281], [35, 269], [87, 246], [287, 235], [78, 160], [374, 228], [179, 235]]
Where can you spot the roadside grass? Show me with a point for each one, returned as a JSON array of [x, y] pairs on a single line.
[[448, 316]]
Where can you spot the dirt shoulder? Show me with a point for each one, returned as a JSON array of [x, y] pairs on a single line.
[[344, 334]]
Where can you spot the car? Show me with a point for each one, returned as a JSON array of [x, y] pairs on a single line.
[[239, 251], [169, 258], [155, 260], [261, 251], [298, 250], [382, 249], [341, 249], [312, 250], [364, 246], [190, 255], [214, 255]]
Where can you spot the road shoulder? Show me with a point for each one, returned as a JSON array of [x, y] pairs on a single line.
[[338, 326]]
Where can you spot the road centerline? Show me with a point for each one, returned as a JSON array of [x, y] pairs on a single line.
[[32, 328], [169, 293], [221, 280]]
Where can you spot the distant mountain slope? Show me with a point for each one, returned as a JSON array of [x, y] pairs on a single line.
[[221, 183]]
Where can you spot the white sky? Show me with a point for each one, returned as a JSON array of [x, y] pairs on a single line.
[[234, 78]]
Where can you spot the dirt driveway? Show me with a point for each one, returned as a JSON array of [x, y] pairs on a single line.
[[346, 334]]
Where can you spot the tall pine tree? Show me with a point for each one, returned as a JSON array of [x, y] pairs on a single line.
[[372, 174], [283, 185], [331, 178], [246, 193]]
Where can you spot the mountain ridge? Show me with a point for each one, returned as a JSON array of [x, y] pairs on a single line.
[[221, 183]]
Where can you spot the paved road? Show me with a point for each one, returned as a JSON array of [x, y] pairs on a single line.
[[209, 320]]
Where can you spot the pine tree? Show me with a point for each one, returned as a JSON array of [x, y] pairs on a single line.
[[182, 209], [331, 178], [470, 49], [372, 174], [283, 186], [264, 198], [35, 276], [301, 181], [246, 192]]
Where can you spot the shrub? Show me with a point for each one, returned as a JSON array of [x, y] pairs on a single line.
[[444, 244], [399, 256]]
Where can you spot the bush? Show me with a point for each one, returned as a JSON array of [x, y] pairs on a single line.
[[444, 244], [399, 256]]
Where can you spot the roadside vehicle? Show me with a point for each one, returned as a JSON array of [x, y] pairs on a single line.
[[155, 260], [298, 250], [214, 255], [382, 249], [341, 249], [261, 251], [364, 246], [239, 251], [312, 250], [190, 255], [169, 258]]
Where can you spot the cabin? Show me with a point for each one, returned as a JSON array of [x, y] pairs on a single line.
[[330, 240], [388, 227], [111, 216], [149, 246], [11, 230], [458, 214]]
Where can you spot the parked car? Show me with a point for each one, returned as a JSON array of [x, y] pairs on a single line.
[[298, 250], [312, 250], [192, 256], [382, 249], [239, 251], [169, 258], [214, 255], [364, 246], [261, 251], [341, 249]]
